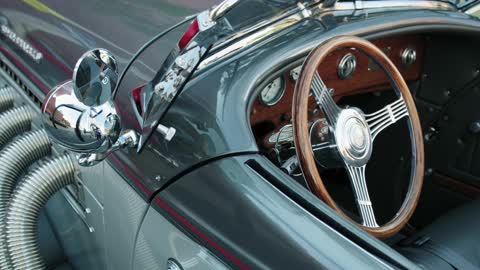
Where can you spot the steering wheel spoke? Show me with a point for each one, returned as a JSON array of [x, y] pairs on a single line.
[[324, 99], [359, 184], [387, 116], [322, 146]]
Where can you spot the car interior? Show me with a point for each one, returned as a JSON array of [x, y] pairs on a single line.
[[442, 72]]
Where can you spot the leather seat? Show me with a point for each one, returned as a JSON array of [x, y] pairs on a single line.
[[450, 242]]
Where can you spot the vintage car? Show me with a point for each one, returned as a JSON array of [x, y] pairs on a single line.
[[253, 134]]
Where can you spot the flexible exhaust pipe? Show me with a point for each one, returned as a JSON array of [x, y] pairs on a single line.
[[15, 158], [27, 200], [7, 97], [15, 121]]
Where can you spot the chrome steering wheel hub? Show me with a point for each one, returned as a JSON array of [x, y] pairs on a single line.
[[353, 138]]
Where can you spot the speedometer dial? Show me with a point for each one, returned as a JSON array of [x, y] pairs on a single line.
[[273, 92]]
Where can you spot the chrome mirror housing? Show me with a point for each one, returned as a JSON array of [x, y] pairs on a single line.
[[80, 114]]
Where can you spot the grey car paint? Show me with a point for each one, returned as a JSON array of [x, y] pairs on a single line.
[[159, 240], [97, 223], [64, 32], [109, 239], [210, 114], [256, 224], [242, 75], [223, 118]]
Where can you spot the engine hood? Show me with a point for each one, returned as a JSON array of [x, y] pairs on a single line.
[[61, 32]]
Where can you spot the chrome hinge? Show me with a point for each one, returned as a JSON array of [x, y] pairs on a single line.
[[306, 13], [208, 18]]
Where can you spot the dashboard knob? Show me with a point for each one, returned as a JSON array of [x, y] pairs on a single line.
[[347, 66], [475, 127], [409, 56]]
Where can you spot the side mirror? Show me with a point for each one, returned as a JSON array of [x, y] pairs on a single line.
[[95, 77], [80, 114]]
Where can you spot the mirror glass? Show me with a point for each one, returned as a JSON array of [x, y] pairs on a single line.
[[95, 77]]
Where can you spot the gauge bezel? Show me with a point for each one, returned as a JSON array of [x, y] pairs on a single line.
[[280, 94]]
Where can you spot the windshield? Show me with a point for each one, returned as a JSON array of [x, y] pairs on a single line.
[[250, 12]]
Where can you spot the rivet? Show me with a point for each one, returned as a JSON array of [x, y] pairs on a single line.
[[173, 265]]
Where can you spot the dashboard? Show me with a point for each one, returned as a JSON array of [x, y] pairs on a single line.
[[346, 71]]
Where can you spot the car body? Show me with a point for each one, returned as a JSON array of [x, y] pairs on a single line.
[[211, 198]]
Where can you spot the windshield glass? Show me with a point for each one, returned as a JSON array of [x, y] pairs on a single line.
[[249, 12]]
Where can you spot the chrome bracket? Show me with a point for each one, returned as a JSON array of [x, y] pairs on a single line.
[[127, 139], [205, 21], [177, 70], [306, 13], [219, 10], [290, 165]]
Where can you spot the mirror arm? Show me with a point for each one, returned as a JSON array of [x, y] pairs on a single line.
[[128, 139]]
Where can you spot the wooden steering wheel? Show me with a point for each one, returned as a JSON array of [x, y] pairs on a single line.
[[354, 132]]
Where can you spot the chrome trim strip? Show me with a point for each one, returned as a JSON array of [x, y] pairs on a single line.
[[222, 8], [386, 4], [256, 27], [473, 10], [283, 21], [426, 4], [249, 40]]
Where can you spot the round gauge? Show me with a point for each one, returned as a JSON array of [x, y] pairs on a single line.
[[295, 73], [273, 92]]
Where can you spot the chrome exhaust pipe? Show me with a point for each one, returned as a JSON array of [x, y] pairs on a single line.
[[15, 121], [7, 98], [15, 158], [27, 200]]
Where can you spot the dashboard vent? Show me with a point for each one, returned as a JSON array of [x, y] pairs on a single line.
[[20, 83]]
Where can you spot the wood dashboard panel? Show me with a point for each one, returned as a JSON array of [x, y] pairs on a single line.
[[366, 78]]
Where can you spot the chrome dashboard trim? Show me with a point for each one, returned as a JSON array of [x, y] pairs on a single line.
[[267, 28], [249, 30], [386, 4], [251, 39]]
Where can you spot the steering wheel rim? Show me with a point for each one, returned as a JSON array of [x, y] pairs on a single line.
[[355, 152]]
